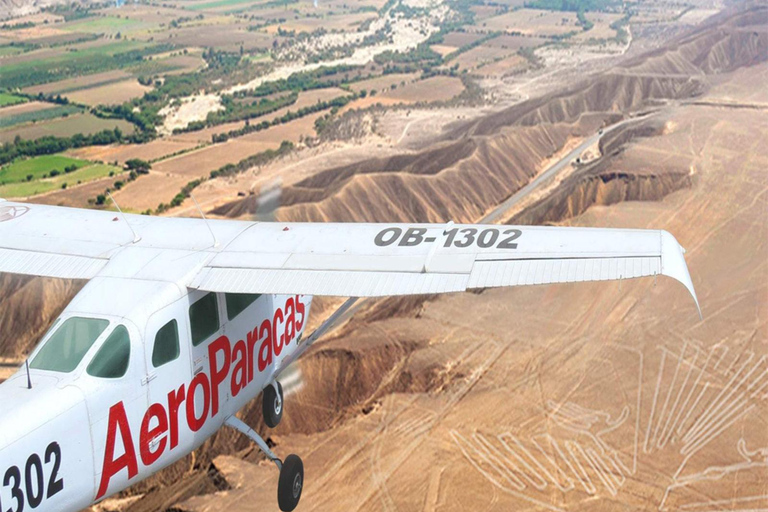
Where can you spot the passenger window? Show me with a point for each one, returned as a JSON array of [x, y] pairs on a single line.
[[204, 318], [111, 361], [166, 344], [237, 302]]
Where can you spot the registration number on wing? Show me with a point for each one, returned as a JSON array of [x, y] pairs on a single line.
[[485, 238]]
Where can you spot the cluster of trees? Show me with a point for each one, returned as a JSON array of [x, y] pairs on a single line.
[[49, 144], [304, 81], [583, 21], [421, 55], [220, 59], [55, 172]]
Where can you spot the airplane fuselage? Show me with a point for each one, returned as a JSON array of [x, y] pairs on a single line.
[[76, 438]]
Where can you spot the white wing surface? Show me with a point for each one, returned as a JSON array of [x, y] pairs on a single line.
[[357, 260], [372, 260], [74, 243]]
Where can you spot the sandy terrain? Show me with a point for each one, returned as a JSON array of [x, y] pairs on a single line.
[[188, 110]]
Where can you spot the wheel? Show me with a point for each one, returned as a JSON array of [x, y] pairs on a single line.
[[272, 405], [291, 483]]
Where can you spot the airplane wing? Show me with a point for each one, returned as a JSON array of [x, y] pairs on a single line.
[[372, 260], [354, 260], [73, 243]]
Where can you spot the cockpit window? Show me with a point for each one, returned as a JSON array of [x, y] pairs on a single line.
[[68, 344], [111, 361]]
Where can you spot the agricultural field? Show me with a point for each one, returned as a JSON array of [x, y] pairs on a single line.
[[151, 151], [502, 68], [110, 25], [85, 174], [7, 99], [109, 94], [443, 50], [37, 115], [23, 108], [6, 50], [437, 88], [336, 22], [201, 162], [483, 54], [534, 22], [37, 168], [79, 82], [85, 123], [384, 82], [146, 193]]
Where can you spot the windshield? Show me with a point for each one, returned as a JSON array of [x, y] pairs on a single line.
[[68, 344]]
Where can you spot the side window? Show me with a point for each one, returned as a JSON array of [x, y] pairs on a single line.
[[204, 318], [166, 344], [237, 302], [111, 361]]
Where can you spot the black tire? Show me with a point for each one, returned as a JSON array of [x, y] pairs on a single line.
[[291, 483], [272, 408]]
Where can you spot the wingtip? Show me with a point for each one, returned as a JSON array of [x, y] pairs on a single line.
[[673, 265]]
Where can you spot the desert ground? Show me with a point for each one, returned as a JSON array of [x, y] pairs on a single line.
[[579, 397]]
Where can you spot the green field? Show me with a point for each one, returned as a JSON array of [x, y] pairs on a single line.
[[84, 174], [10, 99], [39, 115], [103, 25], [8, 50], [19, 170]]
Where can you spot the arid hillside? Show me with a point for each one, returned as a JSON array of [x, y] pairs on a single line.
[[481, 164]]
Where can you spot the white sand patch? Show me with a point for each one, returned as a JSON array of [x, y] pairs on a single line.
[[188, 110]]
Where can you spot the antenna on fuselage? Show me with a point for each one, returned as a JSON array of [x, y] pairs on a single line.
[[215, 241], [136, 237], [29, 378]]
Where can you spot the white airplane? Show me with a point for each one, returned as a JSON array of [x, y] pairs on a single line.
[[185, 321]]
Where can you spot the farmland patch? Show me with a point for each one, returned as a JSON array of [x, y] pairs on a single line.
[[65, 127]]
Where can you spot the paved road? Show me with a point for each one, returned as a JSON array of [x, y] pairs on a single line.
[[548, 174]]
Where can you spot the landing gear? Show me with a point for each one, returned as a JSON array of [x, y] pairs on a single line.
[[291, 481], [272, 405]]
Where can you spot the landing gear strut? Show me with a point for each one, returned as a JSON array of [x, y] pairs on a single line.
[[291, 481]]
